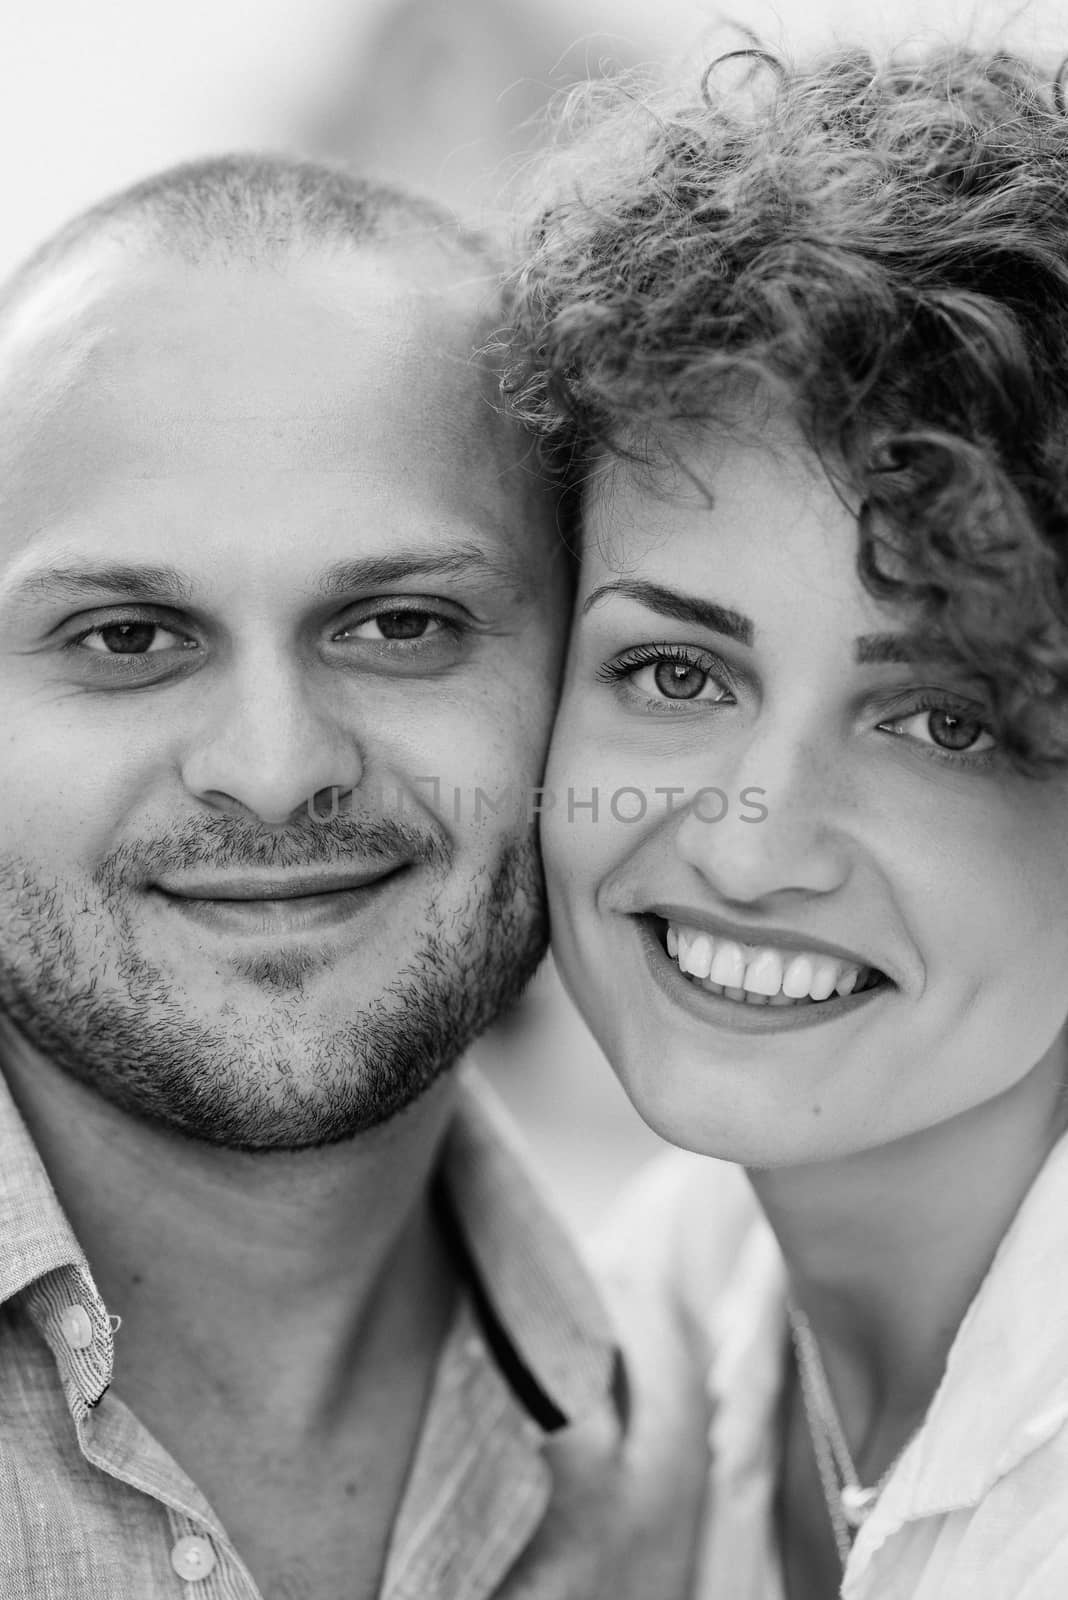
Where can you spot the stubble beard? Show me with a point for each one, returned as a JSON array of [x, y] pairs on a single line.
[[76, 985]]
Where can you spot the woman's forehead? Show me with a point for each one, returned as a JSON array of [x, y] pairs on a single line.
[[754, 531]]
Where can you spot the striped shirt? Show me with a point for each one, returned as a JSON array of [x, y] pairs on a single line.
[[518, 1475]]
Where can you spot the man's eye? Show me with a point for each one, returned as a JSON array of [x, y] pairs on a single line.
[[138, 638], [395, 627]]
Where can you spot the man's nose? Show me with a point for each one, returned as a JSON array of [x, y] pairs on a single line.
[[272, 747]]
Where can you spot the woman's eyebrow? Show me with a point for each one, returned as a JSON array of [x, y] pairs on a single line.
[[681, 607], [875, 649], [871, 648]]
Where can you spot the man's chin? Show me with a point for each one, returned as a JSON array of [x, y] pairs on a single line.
[[258, 977], [295, 1129], [265, 1043], [284, 972], [278, 1075]]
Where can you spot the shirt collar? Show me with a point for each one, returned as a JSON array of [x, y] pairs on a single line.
[[530, 1287], [41, 1258], [526, 1383], [35, 1236], [1004, 1392]]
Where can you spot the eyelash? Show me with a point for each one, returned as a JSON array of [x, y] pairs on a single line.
[[623, 668], [131, 619], [450, 626], [955, 707], [148, 667]]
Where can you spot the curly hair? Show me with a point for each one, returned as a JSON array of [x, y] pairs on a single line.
[[880, 245]]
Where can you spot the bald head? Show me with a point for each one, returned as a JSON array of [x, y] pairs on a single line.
[[248, 208], [247, 229]]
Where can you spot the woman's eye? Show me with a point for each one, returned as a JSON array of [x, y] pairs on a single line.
[[955, 732], [137, 638], [394, 627], [679, 680], [669, 675]]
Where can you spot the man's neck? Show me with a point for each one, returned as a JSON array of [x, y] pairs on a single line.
[[207, 1254], [886, 1250]]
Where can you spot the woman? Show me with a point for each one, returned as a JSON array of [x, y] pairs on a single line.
[[802, 340]]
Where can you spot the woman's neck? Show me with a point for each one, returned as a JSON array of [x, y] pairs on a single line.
[[887, 1249]]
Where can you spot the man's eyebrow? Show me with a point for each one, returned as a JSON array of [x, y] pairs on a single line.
[[74, 584], [378, 572], [682, 607]]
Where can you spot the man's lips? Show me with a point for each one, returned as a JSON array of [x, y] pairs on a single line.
[[258, 888], [277, 906]]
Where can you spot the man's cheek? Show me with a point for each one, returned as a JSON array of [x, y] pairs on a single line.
[[65, 802]]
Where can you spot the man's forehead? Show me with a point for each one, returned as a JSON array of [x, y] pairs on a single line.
[[356, 323], [174, 369]]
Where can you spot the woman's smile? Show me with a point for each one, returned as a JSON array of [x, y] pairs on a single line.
[[677, 966]]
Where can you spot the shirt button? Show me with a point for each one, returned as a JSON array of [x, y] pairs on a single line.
[[193, 1557], [76, 1328]]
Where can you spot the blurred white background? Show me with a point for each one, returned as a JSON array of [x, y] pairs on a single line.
[[94, 93], [435, 93]]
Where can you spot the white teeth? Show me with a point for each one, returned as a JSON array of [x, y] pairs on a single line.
[[701, 956], [698, 957], [728, 964], [797, 978], [824, 978], [739, 971], [763, 975]]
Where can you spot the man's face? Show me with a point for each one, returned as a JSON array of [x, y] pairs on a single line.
[[278, 598]]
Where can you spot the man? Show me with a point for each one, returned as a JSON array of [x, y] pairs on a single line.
[[282, 610]]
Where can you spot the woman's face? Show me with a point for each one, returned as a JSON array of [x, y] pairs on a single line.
[[752, 805]]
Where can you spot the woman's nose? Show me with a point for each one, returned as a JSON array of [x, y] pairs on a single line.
[[772, 829]]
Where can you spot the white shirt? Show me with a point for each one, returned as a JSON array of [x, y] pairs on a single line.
[[976, 1507]]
